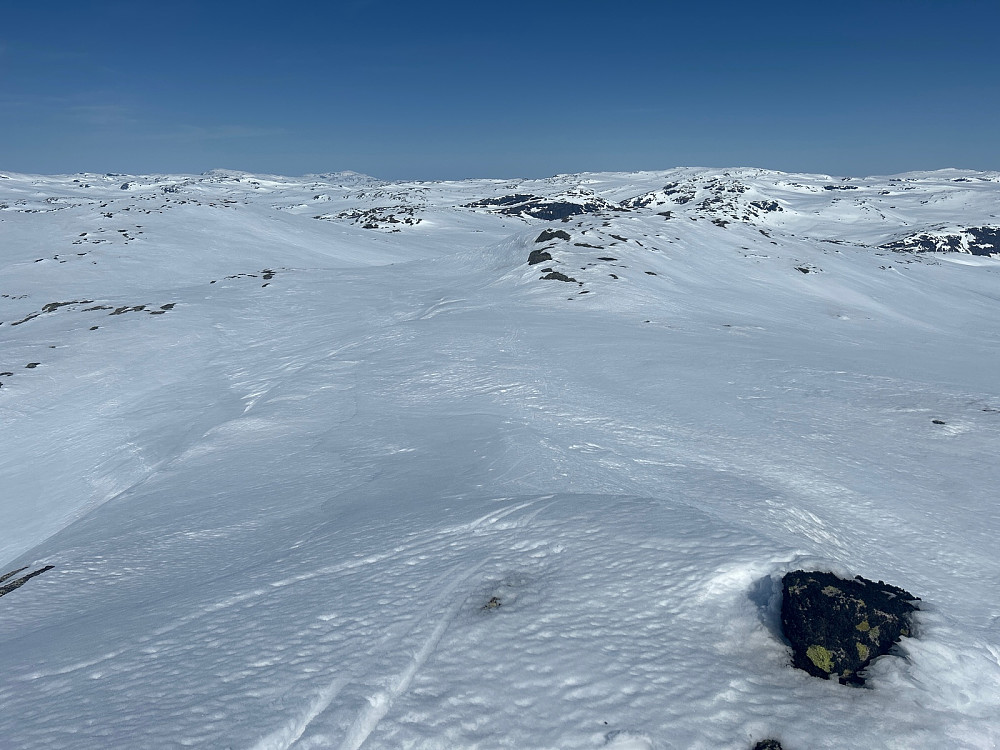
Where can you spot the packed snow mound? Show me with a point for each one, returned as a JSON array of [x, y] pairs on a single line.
[[328, 461]]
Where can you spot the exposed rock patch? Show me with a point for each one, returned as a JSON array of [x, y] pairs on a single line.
[[973, 240], [556, 276], [546, 209], [127, 308], [18, 582], [837, 627], [378, 217], [552, 234]]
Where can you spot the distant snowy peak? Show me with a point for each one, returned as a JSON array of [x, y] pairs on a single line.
[[346, 178], [724, 197]]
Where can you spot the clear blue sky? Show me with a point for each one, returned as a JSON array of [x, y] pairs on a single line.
[[436, 90]]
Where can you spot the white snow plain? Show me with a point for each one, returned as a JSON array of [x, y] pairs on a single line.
[[355, 476]]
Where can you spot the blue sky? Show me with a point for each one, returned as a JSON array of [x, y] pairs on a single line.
[[442, 90]]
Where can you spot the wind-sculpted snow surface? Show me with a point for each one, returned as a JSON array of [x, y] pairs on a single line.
[[311, 475]]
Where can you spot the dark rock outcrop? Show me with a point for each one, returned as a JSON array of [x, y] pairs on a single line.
[[552, 234], [768, 206], [538, 256], [837, 627], [556, 276], [972, 240], [546, 209], [6, 588], [767, 745]]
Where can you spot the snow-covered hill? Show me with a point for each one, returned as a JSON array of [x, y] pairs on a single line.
[[333, 462]]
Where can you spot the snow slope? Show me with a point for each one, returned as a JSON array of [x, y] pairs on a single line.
[[323, 462]]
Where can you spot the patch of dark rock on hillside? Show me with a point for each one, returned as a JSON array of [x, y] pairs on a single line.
[[536, 207], [127, 308], [50, 307], [18, 582], [840, 187], [672, 191], [378, 217], [556, 276], [538, 256], [679, 194], [972, 240], [25, 319], [768, 745], [768, 206], [552, 234], [504, 200], [56, 305], [836, 627]]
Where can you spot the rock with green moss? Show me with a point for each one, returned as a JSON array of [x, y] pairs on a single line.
[[838, 626]]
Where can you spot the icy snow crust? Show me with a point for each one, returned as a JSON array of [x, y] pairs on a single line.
[[325, 425]]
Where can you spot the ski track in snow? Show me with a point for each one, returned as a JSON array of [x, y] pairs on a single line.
[[429, 543], [380, 703], [287, 736]]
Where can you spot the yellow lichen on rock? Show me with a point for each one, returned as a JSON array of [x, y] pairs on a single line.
[[863, 626], [821, 657], [862, 651]]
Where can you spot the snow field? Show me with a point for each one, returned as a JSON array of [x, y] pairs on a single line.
[[278, 514]]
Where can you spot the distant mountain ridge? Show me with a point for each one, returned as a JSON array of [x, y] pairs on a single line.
[[938, 211]]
